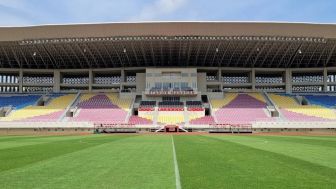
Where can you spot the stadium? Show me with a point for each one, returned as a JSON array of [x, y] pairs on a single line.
[[169, 76], [232, 84]]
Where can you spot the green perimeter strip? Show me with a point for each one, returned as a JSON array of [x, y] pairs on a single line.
[[207, 162], [317, 154], [21, 156]]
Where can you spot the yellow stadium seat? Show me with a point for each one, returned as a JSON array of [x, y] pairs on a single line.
[[194, 115], [219, 103], [122, 103], [258, 96], [170, 119], [288, 103], [55, 105]]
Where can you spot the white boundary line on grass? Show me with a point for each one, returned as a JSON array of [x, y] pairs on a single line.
[[177, 172]]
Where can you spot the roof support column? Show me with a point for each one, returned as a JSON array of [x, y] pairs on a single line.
[[288, 80], [122, 79], [253, 80], [90, 80], [220, 78], [20, 80], [57, 80], [325, 80]]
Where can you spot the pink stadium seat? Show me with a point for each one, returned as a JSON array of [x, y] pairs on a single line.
[[50, 117], [293, 116], [242, 110], [100, 109], [136, 120], [206, 120]]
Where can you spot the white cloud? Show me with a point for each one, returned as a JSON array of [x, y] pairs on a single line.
[[159, 8]]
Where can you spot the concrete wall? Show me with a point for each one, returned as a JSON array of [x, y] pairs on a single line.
[[140, 82], [201, 82]]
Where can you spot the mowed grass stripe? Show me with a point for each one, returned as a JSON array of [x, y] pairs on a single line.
[[302, 140], [134, 162], [289, 146], [23, 138], [207, 162], [25, 141], [22, 156]]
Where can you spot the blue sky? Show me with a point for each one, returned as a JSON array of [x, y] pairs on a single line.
[[36, 12]]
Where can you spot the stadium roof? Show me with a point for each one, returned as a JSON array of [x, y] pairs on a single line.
[[225, 44]]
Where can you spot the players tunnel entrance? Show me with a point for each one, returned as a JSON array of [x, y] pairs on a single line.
[[171, 129]]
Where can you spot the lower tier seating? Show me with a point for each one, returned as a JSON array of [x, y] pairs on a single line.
[[51, 112], [102, 108], [219, 103], [171, 106], [293, 111], [194, 105], [322, 100], [147, 105], [242, 109], [206, 120], [136, 120], [170, 118], [18, 101]]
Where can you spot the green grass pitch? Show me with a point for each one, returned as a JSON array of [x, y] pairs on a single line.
[[147, 161]]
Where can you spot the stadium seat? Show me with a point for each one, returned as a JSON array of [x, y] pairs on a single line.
[[102, 108], [241, 109], [136, 120], [18, 101], [206, 120], [295, 112], [219, 103], [322, 100], [51, 112], [167, 118]]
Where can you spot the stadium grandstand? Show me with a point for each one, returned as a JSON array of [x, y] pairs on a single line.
[[168, 76]]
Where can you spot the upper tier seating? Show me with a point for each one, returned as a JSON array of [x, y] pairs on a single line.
[[241, 109], [75, 80], [172, 91], [322, 100], [130, 79], [102, 108], [235, 79], [211, 78], [295, 112], [38, 79], [269, 79], [307, 78], [50, 112], [107, 80]]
